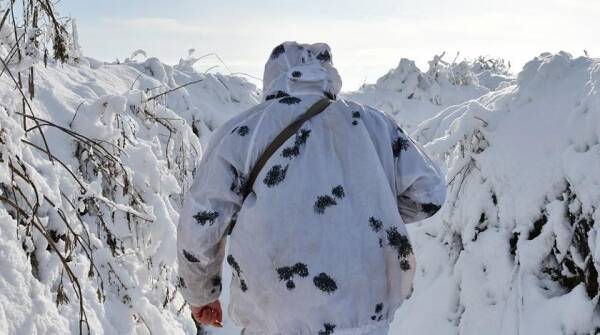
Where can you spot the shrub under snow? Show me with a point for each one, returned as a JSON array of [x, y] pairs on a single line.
[[412, 96], [88, 227], [516, 248]]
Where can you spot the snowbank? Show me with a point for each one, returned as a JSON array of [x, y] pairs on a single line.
[[412, 96], [516, 248], [90, 209]]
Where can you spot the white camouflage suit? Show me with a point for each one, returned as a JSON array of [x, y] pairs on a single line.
[[320, 245]]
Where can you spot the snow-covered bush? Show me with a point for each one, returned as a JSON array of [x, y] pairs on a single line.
[[516, 248], [413, 96], [99, 205], [493, 73], [493, 64], [33, 31], [94, 161]]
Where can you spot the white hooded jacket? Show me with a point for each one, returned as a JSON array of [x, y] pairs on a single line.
[[320, 245]]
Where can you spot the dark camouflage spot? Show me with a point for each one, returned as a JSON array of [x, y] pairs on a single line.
[[234, 265], [277, 51], [190, 258], [338, 192], [206, 216], [294, 151], [238, 185], [402, 246], [301, 139], [399, 242], [325, 283], [285, 273], [380, 242], [323, 201], [398, 145], [355, 115], [290, 100], [238, 271], [217, 282], [296, 74], [301, 269], [277, 95], [378, 310], [430, 208], [290, 285], [290, 152], [329, 328], [324, 56], [375, 224], [400, 130], [180, 283], [243, 130], [275, 175]]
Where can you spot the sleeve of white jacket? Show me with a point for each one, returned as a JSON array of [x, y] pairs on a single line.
[[420, 184], [202, 230]]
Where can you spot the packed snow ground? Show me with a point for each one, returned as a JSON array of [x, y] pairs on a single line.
[[514, 251]]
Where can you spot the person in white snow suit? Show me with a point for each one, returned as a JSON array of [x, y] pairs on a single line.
[[319, 245]]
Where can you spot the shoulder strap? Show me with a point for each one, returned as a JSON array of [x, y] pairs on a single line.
[[283, 136]]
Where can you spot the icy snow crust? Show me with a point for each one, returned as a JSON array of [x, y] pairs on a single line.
[[515, 249]]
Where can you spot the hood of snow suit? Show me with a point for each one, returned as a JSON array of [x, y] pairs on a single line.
[[295, 68]]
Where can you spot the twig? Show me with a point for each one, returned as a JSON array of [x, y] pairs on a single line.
[[11, 53], [174, 89], [135, 80], [8, 10], [246, 74], [83, 188], [74, 116], [30, 108], [72, 276], [13, 205]]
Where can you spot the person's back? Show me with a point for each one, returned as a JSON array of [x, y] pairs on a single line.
[[320, 245]]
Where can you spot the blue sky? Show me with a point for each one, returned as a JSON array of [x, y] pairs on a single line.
[[367, 37]]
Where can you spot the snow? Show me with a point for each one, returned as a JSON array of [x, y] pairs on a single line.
[[413, 96], [120, 237], [517, 168], [515, 250]]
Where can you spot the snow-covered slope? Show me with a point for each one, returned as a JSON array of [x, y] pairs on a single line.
[[516, 249], [88, 229], [412, 96]]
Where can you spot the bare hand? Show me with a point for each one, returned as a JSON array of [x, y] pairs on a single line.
[[210, 314]]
